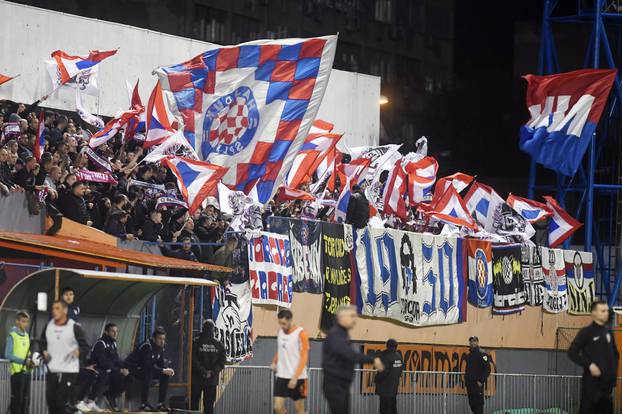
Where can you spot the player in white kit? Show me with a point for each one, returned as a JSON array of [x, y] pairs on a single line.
[[290, 364]]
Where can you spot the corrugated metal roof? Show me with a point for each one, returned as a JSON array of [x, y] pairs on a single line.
[[50, 244]]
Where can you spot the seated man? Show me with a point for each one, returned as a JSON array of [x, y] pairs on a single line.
[[146, 363], [105, 369]]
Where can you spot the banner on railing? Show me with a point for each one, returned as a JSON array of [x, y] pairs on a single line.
[[580, 278], [413, 278], [479, 257], [233, 317], [554, 272], [337, 249], [509, 296], [531, 264], [306, 243], [429, 358], [270, 269]]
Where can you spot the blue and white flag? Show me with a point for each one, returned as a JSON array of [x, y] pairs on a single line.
[[249, 107], [531, 211], [561, 224]]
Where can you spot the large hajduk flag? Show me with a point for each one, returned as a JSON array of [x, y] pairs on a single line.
[[64, 67], [249, 107], [564, 111]]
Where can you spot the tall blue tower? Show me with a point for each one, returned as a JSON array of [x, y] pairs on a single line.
[[594, 194]]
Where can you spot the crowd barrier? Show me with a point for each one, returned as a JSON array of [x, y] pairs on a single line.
[[248, 389]]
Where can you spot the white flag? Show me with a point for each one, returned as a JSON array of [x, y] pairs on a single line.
[[85, 81], [86, 116], [176, 144]]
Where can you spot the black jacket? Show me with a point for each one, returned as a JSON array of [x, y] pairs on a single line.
[[105, 354], [115, 227], [25, 179], [596, 344], [146, 357], [151, 230], [339, 357], [388, 380], [73, 207], [73, 311], [208, 358], [477, 367], [358, 211]]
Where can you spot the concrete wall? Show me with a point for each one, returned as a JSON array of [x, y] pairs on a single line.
[[531, 329], [28, 35]]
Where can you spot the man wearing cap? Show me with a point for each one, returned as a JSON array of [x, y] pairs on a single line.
[[388, 380], [476, 374]]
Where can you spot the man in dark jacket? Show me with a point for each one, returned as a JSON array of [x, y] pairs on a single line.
[[68, 295], [388, 380], [146, 363], [109, 366], [152, 227], [475, 375], [594, 348], [358, 209], [339, 359], [73, 205], [208, 359]]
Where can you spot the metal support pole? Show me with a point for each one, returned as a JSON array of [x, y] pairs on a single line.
[[57, 284], [589, 199], [190, 333], [598, 5]]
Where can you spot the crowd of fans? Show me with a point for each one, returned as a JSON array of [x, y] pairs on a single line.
[[124, 209]]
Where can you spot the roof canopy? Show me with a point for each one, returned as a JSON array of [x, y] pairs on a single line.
[[98, 253]]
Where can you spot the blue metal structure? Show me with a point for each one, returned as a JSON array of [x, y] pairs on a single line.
[[594, 192]]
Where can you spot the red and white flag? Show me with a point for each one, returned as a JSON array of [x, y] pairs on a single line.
[[421, 177], [4, 78], [289, 194], [317, 146], [395, 191], [450, 208], [459, 181]]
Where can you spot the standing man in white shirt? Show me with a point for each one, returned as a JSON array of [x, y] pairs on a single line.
[[290, 364], [63, 343]]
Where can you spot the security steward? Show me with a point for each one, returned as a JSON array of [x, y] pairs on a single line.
[[208, 359], [388, 381], [17, 351], [594, 348], [146, 363], [476, 374]]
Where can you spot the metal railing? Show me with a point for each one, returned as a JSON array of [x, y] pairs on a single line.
[[248, 389]]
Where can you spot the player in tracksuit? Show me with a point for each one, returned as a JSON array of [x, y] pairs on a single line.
[[594, 348], [106, 369], [476, 374], [64, 347], [388, 381], [208, 359], [290, 364], [146, 363], [17, 351]]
